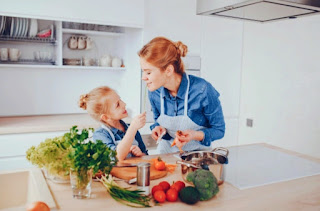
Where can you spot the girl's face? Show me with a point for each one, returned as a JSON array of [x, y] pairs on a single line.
[[152, 75], [117, 108]]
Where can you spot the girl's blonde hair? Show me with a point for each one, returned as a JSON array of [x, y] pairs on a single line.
[[96, 101], [161, 52]]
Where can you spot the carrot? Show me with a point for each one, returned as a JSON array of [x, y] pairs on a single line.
[[179, 132], [171, 167]]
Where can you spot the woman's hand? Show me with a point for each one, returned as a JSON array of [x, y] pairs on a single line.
[[188, 135], [136, 151], [156, 132], [138, 121]]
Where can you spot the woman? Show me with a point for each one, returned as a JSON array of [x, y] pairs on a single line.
[[179, 102]]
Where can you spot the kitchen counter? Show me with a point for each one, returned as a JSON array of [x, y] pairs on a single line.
[[297, 194], [46, 123]]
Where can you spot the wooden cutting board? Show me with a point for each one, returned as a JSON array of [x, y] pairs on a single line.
[[128, 173]]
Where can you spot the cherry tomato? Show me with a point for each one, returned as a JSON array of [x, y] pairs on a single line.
[[38, 206], [159, 196], [159, 164], [156, 188], [180, 184], [172, 195], [165, 185]]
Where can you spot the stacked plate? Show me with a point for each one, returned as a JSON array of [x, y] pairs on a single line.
[[18, 27], [2, 24]]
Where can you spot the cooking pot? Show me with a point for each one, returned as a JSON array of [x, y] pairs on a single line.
[[208, 160]]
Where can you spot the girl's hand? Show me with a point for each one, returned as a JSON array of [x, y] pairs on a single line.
[[138, 121], [136, 151], [156, 132]]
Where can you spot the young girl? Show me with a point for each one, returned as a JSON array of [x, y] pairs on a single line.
[[104, 105]]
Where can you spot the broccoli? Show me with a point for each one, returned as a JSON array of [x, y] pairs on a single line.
[[205, 182]]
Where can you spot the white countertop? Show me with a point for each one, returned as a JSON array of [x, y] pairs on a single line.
[[49, 123]]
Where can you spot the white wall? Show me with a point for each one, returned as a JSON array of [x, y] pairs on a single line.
[[280, 84], [221, 51], [176, 20]]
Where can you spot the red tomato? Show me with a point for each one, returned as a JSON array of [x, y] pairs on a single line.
[[165, 185], [156, 188], [159, 196], [180, 184], [172, 195], [159, 164], [38, 206]]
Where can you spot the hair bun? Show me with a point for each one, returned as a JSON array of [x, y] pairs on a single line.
[[181, 48], [83, 101]]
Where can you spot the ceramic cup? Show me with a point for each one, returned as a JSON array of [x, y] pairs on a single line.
[[105, 61], [14, 54], [73, 42], [116, 62], [88, 61], [81, 42], [4, 54], [89, 43]]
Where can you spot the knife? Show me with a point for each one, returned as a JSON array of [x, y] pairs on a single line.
[[126, 165], [160, 137]]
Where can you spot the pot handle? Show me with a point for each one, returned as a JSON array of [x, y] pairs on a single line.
[[187, 164], [225, 151]]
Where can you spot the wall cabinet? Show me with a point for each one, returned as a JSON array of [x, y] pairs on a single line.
[[41, 73], [96, 45]]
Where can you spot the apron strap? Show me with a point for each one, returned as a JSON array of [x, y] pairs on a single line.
[[110, 132], [186, 97], [161, 102]]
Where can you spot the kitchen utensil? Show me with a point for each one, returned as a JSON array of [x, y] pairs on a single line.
[[128, 173], [208, 160], [73, 42], [89, 43], [72, 61], [105, 61], [160, 137], [143, 177], [88, 61], [14, 54], [120, 164], [116, 62], [81, 42], [4, 53]]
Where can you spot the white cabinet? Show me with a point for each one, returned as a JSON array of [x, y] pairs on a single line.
[[92, 42], [41, 82], [13, 148], [128, 13]]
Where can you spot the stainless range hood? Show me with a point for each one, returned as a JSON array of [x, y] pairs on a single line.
[[258, 10]]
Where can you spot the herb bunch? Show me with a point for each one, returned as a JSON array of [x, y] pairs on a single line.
[[132, 198], [86, 155]]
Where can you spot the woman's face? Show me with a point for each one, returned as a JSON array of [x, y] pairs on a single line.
[[116, 108], [152, 75]]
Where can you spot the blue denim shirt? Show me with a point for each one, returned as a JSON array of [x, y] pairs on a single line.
[[103, 135], [204, 107]]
